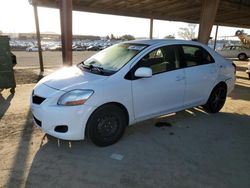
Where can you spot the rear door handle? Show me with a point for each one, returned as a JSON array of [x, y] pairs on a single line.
[[179, 78]]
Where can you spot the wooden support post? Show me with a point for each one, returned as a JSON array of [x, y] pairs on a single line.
[[208, 13], [38, 39], [215, 38], [66, 31], [151, 28]]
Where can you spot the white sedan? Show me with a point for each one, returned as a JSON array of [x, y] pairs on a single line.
[[127, 83], [240, 52]]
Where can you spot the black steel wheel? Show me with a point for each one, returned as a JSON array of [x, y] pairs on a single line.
[[216, 99], [106, 125]]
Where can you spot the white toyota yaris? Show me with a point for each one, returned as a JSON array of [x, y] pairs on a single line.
[[127, 83]]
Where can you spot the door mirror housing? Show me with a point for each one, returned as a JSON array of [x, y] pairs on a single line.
[[143, 72]]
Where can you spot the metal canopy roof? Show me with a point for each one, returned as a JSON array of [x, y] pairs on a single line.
[[230, 12]]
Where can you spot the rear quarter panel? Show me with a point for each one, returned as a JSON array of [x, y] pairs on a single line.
[[226, 72]]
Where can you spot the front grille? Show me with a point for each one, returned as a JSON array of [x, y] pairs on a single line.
[[38, 122], [37, 99]]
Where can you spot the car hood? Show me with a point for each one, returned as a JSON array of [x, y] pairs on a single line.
[[69, 78]]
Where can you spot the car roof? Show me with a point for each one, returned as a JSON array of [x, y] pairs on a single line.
[[163, 41]]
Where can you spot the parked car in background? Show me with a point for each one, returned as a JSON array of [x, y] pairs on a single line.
[[93, 48], [34, 49], [78, 48], [232, 51], [55, 48], [128, 83]]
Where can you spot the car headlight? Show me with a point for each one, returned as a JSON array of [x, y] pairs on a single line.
[[75, 97]]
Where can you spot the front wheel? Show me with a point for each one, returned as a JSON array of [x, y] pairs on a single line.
[[106, 125], [216, 99]]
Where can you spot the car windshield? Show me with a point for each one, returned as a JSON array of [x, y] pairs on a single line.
[[115, 57]]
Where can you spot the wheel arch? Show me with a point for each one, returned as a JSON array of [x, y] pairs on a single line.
[[221, 83], [121, 106], [207, 106]]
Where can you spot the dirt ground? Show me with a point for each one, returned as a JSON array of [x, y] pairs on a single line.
[[195, 149]]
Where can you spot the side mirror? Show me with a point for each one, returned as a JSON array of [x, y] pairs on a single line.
[[143, 72]]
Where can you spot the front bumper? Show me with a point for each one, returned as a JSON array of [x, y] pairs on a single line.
[[48, 115]]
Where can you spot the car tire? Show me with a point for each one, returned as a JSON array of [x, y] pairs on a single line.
[[12, 90], [216, 99], [242, 57], [106, 125]]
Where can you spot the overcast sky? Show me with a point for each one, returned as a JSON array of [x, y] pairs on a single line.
[[17, 16]]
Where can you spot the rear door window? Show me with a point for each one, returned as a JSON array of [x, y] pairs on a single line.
[[196, 55]]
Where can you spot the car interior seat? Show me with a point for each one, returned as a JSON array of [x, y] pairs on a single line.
[[198, 56]]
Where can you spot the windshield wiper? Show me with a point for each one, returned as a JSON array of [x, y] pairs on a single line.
[[93, 68]]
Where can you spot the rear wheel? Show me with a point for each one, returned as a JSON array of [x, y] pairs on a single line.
[[106, 125], [216, 99], [242, 57]]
